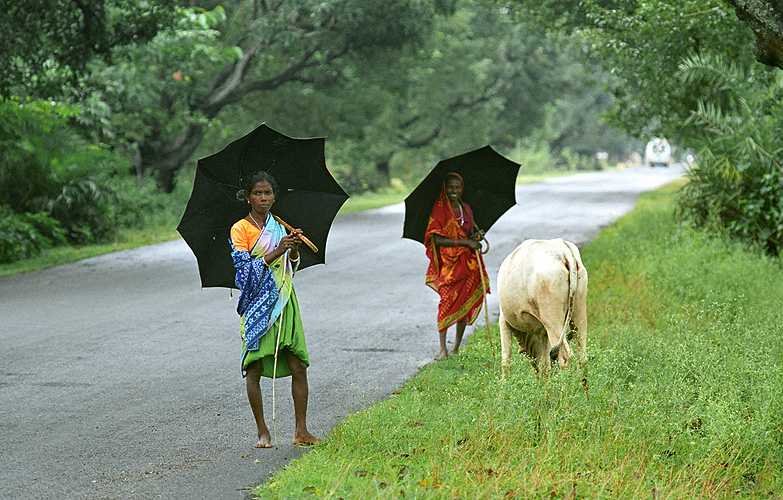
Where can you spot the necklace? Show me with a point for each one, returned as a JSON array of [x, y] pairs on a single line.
[[256, 222], [461, 216]]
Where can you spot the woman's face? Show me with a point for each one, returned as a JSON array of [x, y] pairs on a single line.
[[453, 189], [261, 197]]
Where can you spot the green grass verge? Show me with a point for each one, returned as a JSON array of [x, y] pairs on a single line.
[[684, 399]]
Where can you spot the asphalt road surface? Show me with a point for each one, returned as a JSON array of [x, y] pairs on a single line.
[[120, 377]]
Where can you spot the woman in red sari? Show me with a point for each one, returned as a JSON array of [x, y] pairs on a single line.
[[454, 271]]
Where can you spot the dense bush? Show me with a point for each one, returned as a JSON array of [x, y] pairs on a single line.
[[747, 206], [46, 167], [25, 235]]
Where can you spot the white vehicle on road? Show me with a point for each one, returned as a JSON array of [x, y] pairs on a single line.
[[658, 152]]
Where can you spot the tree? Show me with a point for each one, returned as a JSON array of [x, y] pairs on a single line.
[[265, 46], [477, 78], [48, 172], [47, 44], [641, 43], [736, 187]]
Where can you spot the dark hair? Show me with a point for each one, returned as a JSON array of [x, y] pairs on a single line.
[[453, 175], [249, 182]]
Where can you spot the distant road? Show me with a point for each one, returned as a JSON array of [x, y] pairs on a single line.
[[120, 379]]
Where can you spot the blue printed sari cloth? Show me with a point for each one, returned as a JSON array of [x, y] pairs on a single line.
[[265, 288]]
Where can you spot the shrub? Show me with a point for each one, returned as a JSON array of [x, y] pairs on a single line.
[[47, 167], [26, 235]]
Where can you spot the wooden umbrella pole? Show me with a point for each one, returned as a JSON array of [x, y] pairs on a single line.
[[290, 228], [486, 312]]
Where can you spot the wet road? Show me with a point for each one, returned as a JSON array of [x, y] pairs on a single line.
[[119, 375]]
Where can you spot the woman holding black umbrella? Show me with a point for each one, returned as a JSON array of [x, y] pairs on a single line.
[[266, 258], [455, 271]]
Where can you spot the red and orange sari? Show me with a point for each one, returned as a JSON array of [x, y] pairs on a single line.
[[454, 271]]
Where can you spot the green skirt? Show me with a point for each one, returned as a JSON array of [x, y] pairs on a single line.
[[291, 338]]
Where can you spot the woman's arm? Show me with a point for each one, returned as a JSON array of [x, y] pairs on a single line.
[[442, 241]]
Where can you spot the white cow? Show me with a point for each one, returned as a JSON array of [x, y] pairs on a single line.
[[542, 288]]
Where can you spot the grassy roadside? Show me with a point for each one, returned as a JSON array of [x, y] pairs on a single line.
[[685, 396]]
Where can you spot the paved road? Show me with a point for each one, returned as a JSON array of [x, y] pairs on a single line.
[[119, 375]]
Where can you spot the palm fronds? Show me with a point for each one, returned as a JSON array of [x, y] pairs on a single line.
[[736, 187]]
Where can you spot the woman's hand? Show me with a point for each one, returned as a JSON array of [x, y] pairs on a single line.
[[288, 242], [296, 234], [292, 240], [473, 244]]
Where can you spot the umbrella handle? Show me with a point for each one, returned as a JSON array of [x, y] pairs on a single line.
[[482, 239], [303, 237], [487, 249]]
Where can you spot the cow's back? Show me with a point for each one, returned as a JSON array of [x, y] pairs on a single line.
[[532, 272]]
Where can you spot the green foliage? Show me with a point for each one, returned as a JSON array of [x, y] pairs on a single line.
[[84, 207], [641, 43], [394, 85], [141, 98], [31, 133], [25, 235], [477, 79], [718, 100], [48, 44], [377, 23], [736, 185], [683, 396], [47, 167]]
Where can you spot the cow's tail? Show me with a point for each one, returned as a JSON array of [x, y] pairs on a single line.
[[573, 267]]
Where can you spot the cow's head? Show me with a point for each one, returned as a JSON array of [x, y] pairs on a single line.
[[561, 353]]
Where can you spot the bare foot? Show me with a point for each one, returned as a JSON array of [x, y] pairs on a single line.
[[305, 439], [454, 351], [443, 355], [263, 442]]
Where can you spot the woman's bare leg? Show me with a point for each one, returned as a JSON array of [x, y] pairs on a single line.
[[458, 337], [300, 393], [444, 352], [252, 382]]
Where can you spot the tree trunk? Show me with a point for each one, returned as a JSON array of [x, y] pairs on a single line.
[[382, 167], [164, 162], [765, 18], [229, 88]]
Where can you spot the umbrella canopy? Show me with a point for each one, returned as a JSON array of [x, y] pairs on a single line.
[[308, 197], [489, 181]]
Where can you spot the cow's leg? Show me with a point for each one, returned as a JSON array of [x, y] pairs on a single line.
[[538, 351], [506, 339]]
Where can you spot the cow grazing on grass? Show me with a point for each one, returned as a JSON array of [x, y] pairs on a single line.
[[542, 288]]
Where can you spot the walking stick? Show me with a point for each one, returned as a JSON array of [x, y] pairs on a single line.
[[274, 372], [484, 286], [486, 312], [277, 346]]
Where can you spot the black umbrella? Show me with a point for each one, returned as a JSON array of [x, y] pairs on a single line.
[[489, 181], [308, 197]]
